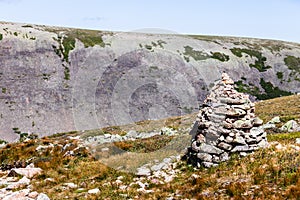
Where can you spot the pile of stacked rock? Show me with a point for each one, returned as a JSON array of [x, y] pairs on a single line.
[[226, 124]]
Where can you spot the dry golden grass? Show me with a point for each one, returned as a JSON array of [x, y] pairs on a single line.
[[286, 107]]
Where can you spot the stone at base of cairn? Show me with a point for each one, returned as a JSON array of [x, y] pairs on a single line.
[[226, 124]]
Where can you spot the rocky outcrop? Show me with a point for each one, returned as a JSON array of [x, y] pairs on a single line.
[[14, 187], [226, 124], [59, 79]]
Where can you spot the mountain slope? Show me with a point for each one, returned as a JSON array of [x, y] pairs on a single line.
[[61, 79]]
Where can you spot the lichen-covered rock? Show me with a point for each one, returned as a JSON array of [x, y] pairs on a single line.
[[226, 124]]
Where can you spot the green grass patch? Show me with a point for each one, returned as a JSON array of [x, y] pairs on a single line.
[[144, 145], [290, 137]]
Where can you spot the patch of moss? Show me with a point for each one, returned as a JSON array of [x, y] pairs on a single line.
[[279, 75], [196, 55], [292, 63], [3, 90], [67, 72], [220, 56], [1, 36], [15, 34]]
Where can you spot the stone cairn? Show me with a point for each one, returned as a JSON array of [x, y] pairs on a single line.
[[226, 124]]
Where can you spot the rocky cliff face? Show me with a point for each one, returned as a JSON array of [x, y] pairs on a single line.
[[60, 79]]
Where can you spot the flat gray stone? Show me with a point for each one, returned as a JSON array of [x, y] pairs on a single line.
[[43, 196], [225, 146], [233, 101], [143, 171], [204, 157], [209, 164], [239, 140], [228, 139], [224, 157], [240, 148], [257, 121], [206, 148], [274, 120], [256, 131], [240, 124], [235, 112]]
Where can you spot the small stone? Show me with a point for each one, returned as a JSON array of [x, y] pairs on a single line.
[[206, 148], [257, 121], [263, 144], [240, 124], [157, 167], [42, 196], [70, 185], [225, 146], [243, 154], [209, 164], [227, 125], [33, 194], [216, 118], [143, 171], [233, 101], [224, 157], [216, 159], [274, 120], [94, 191], [105, 149], [24, 181], [21, 194], [239, 140], [204, 157], [228, 139], [240, 148], [297, 140], [290, 126], [235, 112]]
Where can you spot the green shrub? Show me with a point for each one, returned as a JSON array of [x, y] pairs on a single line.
[[292, 63], [1, 36], [279, 75], [259, 62], [220, 56], [271, 91]]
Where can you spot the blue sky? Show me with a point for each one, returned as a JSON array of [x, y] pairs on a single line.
[[270, 19]]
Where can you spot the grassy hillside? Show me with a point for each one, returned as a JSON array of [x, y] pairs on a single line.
[[271, 173]]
